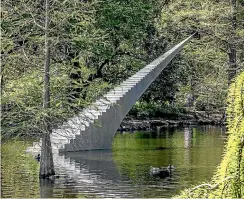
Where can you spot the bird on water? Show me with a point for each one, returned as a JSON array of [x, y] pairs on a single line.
[[162, 171]]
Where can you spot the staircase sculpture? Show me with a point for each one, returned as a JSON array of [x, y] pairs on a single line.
[[94, 128]]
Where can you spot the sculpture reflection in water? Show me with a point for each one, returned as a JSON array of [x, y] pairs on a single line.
[[125, 171]]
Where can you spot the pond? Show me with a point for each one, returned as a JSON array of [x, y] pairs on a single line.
[[123, 172]]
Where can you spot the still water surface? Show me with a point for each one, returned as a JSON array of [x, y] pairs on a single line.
[[124, 171]]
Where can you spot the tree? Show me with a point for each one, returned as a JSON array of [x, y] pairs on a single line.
[[46, 165], [212, 61], [131, 33], [133, 40], [91, 50], [28, 27]]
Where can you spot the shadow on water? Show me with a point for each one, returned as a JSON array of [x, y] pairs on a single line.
[[124, 171], [46, 188]]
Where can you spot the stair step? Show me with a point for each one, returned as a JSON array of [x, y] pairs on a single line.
[[143, 73], [73, 124], [145, 70], [92, 114], [132, 83], [102, 102], [132, 80], [138, 75], [65, 134], [36, 144], [79, 127], [117, 95], [99, 108], [92, 111], [135, 79], [123, 89], [128, 84], [113, 99], [148, 67], [119, 90]]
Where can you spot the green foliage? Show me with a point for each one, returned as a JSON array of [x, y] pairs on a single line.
[[22, 99], [146, 110], [228, 182], [205, 60], [72, 35], [94, 45], [233, 162], [130, 27], [165, 87], [97, 44]]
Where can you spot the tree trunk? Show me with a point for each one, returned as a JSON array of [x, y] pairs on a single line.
[[232, 47], [46, 164], [232, 63]]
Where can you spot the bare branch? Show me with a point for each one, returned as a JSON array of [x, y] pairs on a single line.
[[211, 187], [34, 20], [28, 58]]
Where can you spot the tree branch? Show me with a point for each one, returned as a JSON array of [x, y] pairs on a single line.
[[35, 22], [211, 187]]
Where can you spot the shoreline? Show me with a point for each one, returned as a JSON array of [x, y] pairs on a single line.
[[188, 119]]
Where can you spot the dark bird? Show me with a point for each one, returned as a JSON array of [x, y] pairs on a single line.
[[38, 157], [162, 172]]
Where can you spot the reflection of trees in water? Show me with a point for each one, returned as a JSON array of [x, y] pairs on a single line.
[[160, 132], [134, 154], [46, 188], [51, 188], [188, 137], [187, 148], [188, 132]]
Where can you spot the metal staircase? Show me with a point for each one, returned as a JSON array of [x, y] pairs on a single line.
[[94, 128]]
